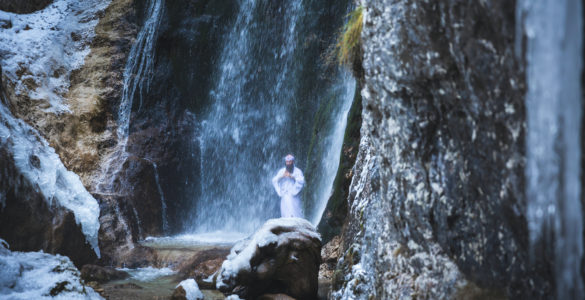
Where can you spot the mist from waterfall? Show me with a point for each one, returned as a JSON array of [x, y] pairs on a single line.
[[251, 122], [553, 145]]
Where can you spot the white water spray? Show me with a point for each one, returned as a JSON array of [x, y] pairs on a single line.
[[246, 132]]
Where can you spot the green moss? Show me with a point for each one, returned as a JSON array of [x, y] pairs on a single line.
[[349, 42], [348, 48]]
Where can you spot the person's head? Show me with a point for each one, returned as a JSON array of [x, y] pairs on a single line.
[[289, 162]]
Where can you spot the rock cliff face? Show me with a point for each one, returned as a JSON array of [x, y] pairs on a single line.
[[78, 120], [442, 214]]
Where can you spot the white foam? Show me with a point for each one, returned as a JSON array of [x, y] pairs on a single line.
[[208, 238], [148, 273]]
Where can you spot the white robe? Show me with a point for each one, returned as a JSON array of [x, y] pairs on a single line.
[[288, 189]]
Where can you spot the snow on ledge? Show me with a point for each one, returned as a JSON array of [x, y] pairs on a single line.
[[39, 163], [38, 51]]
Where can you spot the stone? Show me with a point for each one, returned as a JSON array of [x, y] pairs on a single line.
[[202, 265], [29, 223], [23, 6], [330, 254], [101, 274], [282, 257], [187, 290], [179, 294], [275, 297], [441, 205]]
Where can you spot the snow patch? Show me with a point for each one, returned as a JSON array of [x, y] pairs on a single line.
[[39, 50], [191, 289], [37, 275], [39, 163]]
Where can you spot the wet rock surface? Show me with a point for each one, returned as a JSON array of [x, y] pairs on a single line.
[[444, 111], [330, 254], [82, 136], [30, 218], [202, 265], [23, 6], [281, 257], [101, 274], [28, 223], [179, 294]]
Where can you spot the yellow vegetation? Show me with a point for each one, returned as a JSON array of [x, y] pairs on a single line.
[[348, 47]]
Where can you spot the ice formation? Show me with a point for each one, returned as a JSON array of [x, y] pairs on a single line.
[[58, 185]]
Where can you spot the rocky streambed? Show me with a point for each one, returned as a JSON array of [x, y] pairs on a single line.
[[282, 260]]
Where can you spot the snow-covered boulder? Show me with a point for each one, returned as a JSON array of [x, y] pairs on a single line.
[[187, 290], [38, 275], [283, 256]]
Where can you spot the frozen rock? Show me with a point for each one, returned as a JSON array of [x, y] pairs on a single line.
[[38, 275], [35, 181], [283, 256], [187, 290]]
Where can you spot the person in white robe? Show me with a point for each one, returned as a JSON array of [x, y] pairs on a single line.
[[288, 183]]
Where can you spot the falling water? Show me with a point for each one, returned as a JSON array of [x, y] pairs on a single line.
[[137, 76], [138, 222], [162, 199], [333, 142], [553, 105], [240, 134], [139, 67], [246, 131]]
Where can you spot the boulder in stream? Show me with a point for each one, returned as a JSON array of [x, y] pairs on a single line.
[[283, 256], [187, 290], [101, 274]]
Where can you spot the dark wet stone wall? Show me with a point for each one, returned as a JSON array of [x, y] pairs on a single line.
[[444, 108]]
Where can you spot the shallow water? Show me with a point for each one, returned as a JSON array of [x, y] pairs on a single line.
[[194, 241], [157, 288], [160, 280]]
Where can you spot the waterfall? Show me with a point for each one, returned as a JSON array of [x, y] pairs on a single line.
[[139, 67], [553, 106], [137, 77], [248, 128], [333, 142], [163, 202]]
